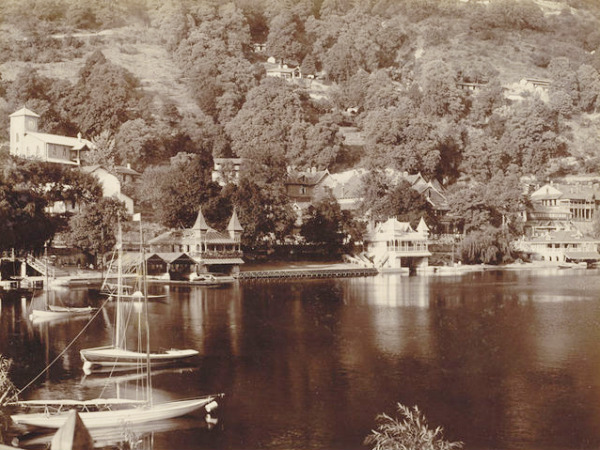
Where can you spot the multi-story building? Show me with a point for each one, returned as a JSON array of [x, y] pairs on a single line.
[[201, 248], [561, 246], [28, 142], [562, 206], [394, 245]]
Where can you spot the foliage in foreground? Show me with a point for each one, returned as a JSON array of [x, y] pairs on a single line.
[[410, 431], [8, 393]]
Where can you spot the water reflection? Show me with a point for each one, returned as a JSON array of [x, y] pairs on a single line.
[[499, 359]]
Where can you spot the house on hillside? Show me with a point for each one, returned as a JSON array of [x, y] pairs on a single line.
[[111, 183], [300, 185], [201, 248], [470, 87], [26, 141], [347, 187], [394, 245], [562, 206], [226, 170], [280, 70], [126, 174]]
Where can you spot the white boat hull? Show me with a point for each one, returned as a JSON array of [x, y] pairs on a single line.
[[59, 313], [119, 417], [96, 358]]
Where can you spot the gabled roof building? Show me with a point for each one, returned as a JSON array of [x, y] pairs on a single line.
[[394, 245], [28, 142], [209, 249], [563, 206]]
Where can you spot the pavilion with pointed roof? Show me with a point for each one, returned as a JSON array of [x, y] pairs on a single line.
[[394, 245], [205, 249]]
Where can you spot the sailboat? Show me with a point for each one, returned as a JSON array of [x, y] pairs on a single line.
[[114, 412], [51, 312], [118, 356]]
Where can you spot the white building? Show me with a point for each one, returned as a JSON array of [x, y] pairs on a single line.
[[395, 245], [111, 185], [562, 246], [226, 170], [28, 142]]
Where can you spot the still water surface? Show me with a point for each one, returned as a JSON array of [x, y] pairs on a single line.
[[500, 359]]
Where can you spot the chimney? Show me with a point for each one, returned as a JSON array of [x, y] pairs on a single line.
[[79, 136], [129, 165]]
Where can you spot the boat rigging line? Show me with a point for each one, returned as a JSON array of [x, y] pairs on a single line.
[[64, 350]]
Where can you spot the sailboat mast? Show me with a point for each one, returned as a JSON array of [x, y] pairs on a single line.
[[46, 270], [118, 324], [145, 287]]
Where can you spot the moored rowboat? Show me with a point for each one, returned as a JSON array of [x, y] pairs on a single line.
[[103, 413]]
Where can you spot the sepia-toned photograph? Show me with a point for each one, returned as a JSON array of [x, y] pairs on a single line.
[[300, 224]]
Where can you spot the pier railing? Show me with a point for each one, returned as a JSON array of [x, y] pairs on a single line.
[[308, 273]]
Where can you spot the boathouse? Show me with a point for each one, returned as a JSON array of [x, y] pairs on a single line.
[[394, 245], [201, 249], [562, 246]]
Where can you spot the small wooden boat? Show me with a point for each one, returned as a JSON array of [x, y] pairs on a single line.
[[573, 265], [119, 358], [53, 312], [59, 312], [102, 413]]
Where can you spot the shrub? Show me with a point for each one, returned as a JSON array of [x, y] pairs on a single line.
[[410, 432]]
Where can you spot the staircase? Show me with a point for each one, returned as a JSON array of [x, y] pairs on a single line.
[[45, 268]]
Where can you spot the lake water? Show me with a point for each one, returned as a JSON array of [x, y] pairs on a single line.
[[499, 359]]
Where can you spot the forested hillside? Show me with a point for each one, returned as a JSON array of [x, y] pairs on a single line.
[[436, 87]]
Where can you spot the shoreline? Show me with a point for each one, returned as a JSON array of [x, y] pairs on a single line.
[[313, 269]]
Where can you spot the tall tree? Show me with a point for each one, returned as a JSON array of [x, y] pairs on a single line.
[[326, 225], [285, 41], [270, 127], [104, 97], [264, 213], [176, 191], [93, 229]]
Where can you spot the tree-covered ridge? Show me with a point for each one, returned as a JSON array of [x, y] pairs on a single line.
[[401, 66]]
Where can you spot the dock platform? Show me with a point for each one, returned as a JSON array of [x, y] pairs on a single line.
[[309, 273]]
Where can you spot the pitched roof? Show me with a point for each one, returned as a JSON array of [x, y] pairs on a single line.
[[422, 226], [583, 255], [200, 223], [234, 223], [126, 170], [173, 256], [24, 112], [567, 192], [564, 236], [187, 236], [75, 143], [306, 178]]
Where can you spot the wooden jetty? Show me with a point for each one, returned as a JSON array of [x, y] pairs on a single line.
[[309, 273]]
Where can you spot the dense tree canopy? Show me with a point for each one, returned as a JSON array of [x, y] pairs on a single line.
[[177, 191], [27, 188], [387, 68], [94, 228]]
